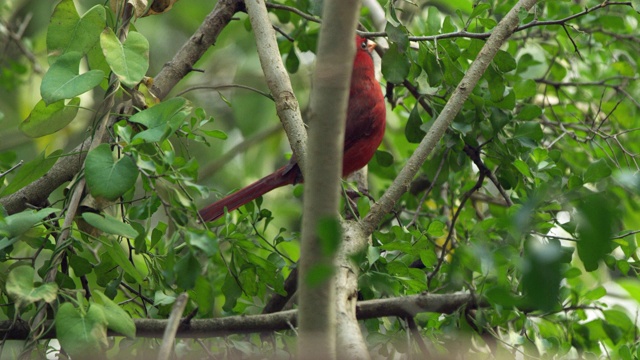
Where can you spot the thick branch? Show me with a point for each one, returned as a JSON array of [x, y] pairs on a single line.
[[349, 340], [329, 101], [207, 328], [205, 37], [500, 34]]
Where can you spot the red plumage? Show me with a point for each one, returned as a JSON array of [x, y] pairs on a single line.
[[365, 126]]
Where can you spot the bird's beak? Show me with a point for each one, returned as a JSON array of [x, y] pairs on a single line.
[[370, 46]]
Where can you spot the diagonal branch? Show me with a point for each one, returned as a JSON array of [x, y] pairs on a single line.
[[278, 79]]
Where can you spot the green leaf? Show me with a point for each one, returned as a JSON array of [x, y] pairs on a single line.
[[596, 171], [529, 130], [217, 134], [437, 228], [129, 61], [428, 258], [504, 61], [292, 63], [412, 131], [161, 120], [161, 299], [31, 171], [501, 296], [632, 286], [595, 294], [118, 320], [395, 65], [525, 89], [20, 287], [231, 292], [384, 158], [80, 265], [15, 225], [594, 229], [120, 257], [529, 112], [522, 167], [68, 32], [542, 274], [187, 270], [478, 10], [107, 178], [81, 333], [63, 82], [110, 225], [47, 119], [398, 35]]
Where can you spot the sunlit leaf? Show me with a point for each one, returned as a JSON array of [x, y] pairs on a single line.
[[128, 60], [20, 287], [63, 80], [47, 119]]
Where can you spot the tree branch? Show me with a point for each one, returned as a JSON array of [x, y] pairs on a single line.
[[278, 80], [244, 324], [349, 340], [329, 101], [205, 37]]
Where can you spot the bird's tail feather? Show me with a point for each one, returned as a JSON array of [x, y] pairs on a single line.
[[281, 177]]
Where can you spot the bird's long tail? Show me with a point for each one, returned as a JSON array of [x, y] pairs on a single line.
[[286, 175]]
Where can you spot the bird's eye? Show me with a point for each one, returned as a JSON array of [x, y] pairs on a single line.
[[363, 45]]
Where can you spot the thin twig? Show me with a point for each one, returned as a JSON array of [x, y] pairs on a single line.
[[225, 86], [11, 169], [293, 10], [170, 331], [428, 191], [454, 219]]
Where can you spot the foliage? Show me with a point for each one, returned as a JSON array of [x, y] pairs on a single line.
[[529, 201]]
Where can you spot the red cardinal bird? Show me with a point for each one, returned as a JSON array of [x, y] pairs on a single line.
[[364, 130]]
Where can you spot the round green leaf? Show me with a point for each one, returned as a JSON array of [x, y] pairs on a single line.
[[63, 82], [68, 32], [81, 333], [395, 65], [504, 61], [47, 119], [596, 171], [107, 178], [80, 265], [129, 61], [384, 158]]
